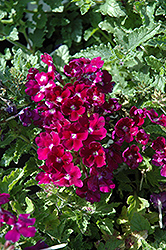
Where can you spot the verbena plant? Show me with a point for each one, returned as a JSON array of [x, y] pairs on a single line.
[[91, 114]]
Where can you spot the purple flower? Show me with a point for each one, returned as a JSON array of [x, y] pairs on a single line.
[[132, 157], [27, 115], [39, 245], [154, 198], [4, 198]]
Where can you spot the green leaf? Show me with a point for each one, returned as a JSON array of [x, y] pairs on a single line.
[[106, 226], [139, 223], [60, 56], [136, 204], [146, 246], [111, 244], [113, 8], [30, 206], [13, 36], [10, 180], [154, 63], [155, 129], [7, 156], [129, 41], [104, 51]]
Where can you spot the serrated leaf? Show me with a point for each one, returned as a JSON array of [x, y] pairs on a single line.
[[60, 56], [129, 41], [155, 129], [112, 8], [8, 139], [154, 63], [7, 156], [105, 25], [10, 180], [159, 41], [139, 223], [104, 51]]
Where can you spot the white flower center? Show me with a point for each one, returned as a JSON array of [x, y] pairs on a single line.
[[73, 136]]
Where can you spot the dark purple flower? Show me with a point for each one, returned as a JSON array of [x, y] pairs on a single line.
[[132, 157], [138, 115], [111, 106], [4, 198], [27, 115], [84, 192], [142, 137], [38, 246], [125, 128], [155, 198], [113, 156]]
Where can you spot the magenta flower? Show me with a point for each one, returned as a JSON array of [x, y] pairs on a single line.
[[94, 97], [93, 154], [111, 106], [71, 176], [4, 198], [138, 115], [142, 137], [95, 127], [73, 108], [125, 128], [57, 95], [57, 158], [46, 58], [22, 226], [73, 135], [153, 116], [31, 73], [46, 141], [132, 157]]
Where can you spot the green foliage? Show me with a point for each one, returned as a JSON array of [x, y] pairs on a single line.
[[129, 36]]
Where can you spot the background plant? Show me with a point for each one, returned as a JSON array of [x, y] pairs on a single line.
[[130, 38]]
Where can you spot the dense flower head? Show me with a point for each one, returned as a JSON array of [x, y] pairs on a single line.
[[79, 142]]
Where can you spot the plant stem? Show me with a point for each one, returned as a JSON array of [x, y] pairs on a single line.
[[160, 213], [26, 140]]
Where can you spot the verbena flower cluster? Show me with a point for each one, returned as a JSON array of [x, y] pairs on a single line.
[[75, 120], [20, 226]]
